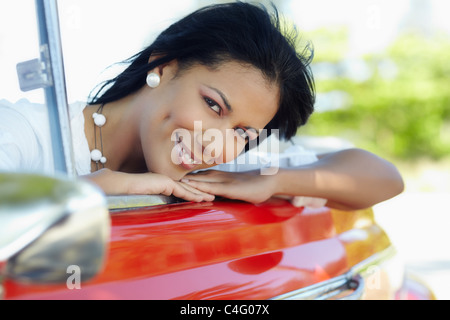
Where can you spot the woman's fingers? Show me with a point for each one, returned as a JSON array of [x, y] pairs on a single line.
[[247, 187], [187, 192], [208, 187]]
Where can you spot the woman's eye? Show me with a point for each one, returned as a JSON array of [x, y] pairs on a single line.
[[214, 106]]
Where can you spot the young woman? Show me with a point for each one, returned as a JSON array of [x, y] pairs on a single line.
[[227, 70]]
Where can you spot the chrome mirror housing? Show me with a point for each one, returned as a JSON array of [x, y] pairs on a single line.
[[50, 224]]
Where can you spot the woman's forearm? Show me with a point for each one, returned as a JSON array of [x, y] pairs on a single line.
[[116, 183], [348, 179], [111, 182]]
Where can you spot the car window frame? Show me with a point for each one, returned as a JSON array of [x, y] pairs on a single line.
[[47, 72]]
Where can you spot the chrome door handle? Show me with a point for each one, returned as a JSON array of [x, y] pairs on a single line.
[[344, 287], [356, 284]]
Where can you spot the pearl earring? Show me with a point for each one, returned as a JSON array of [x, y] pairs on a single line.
[[153, 80]]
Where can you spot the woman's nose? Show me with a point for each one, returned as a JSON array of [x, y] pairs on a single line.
[[212, 144]]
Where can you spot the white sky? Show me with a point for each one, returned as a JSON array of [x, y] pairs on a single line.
[[98, 33]]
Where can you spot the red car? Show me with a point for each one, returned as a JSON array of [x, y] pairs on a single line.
[[61, 239], [220, 250]]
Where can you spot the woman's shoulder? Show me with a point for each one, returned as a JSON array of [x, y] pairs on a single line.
[[21, 115], [22, 135], [24, 126], [22, 109], [35, 114]]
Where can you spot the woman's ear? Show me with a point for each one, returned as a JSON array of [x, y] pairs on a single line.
[[161, 72], [162, 69]]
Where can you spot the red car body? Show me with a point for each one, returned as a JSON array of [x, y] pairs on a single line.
[[230, 250]]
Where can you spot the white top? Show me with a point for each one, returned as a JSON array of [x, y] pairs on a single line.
[[25, 142]]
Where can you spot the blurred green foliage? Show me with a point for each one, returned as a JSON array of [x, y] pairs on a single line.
[[404, 114]]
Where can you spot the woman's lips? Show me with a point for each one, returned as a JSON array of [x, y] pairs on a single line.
[[186, 157]]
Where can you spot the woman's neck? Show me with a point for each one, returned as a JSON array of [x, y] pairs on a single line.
[[119, 136]]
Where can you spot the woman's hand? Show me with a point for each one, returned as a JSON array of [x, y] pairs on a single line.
[[348, 179], [249, 186], [114, 183]]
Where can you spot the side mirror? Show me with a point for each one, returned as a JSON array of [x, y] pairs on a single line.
[[48, 224]]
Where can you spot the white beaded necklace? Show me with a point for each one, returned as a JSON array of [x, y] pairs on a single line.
[[99, 121]]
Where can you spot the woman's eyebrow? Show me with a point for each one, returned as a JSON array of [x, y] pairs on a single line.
[[227, 104], [224, 98]]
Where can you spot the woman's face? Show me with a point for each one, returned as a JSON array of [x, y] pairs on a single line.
[[202, 117]]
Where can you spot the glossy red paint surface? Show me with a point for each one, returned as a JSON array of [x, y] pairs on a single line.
[[221, 250]]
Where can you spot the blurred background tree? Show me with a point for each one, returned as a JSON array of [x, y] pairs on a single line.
[[395, 103]]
